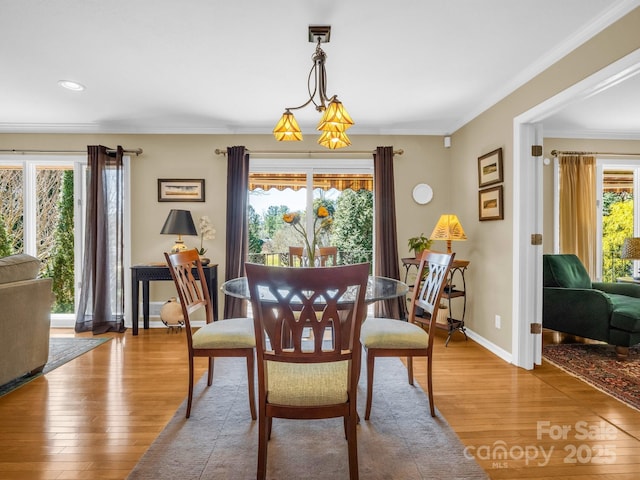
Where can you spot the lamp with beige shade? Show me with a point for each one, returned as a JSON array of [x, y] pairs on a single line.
[[448, 228], [631, 251]]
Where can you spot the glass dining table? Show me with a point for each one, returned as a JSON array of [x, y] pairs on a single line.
[[378, 288]]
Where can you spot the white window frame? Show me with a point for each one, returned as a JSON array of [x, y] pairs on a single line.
[[29, 163], [309, 166], [603, 164]]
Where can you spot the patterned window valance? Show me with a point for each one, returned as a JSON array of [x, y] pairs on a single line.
[[296, 181]]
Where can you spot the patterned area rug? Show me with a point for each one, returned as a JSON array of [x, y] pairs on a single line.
[[401, 440], [61, 351], [597, 365]]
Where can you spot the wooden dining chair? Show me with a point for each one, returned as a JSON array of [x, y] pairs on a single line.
[[388, 337], [231, 337], [295, 256], [328, 256], [313, 379]]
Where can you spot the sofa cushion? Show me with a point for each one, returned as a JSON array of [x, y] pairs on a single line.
[[565, 271], [16, 268], [626, 313]]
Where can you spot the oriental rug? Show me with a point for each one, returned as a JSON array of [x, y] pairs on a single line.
[[400, 441], [61, 351], [596, 364]]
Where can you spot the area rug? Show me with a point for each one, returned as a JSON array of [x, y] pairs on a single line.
[[597, 365], [61, 351], [220, 441]]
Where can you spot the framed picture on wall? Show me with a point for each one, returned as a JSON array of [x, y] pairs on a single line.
[[490, 168], [490, 205], [180, 190]]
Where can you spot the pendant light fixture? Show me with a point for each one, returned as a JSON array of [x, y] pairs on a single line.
[[335, 119]]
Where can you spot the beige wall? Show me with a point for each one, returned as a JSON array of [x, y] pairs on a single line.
[[451, 172], [490, 243], [192, 156]]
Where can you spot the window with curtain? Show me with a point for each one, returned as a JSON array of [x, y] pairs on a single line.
[[101, 307], [610, 193], [277, 187]]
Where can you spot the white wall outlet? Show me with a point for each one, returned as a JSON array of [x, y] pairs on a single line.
[[498, 321]]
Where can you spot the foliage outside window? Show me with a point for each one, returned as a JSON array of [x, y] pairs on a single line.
[[617, 224], [351, 230], [54, 226]]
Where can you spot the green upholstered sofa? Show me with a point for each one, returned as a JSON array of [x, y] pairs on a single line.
[[573, 304]]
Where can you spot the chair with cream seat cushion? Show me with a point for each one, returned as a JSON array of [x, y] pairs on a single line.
[[232, 337], [387, 337], [315, 378]]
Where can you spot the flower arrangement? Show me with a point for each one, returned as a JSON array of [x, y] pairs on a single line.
[[323, 220], [207, 232]]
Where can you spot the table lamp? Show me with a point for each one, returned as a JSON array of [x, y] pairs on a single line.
[[448, 228], [631, 251], [179, 222]]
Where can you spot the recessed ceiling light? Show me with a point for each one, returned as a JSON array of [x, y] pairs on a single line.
[[70, 85]]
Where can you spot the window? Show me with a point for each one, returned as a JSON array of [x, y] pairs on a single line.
[[281, 186], [41, 214], [617, 204]]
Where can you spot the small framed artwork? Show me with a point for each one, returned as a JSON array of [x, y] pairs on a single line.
[[180, 190], [490, 168], [490, 205]]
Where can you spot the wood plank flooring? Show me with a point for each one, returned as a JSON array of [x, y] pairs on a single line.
[[95, 416]]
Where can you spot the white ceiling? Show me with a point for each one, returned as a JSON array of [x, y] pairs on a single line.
[[207, 66]]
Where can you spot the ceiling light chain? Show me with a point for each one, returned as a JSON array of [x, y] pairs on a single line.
[[335, 119]]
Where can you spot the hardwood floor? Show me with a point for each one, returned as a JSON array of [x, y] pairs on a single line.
[[95, 416]]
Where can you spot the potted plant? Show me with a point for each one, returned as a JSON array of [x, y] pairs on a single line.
[[418, 244]]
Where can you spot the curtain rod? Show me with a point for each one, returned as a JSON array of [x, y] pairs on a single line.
[[220, 151], [555, 153], [135, 151]]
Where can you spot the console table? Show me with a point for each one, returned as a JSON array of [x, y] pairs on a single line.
[[458, 267], [151, 273]]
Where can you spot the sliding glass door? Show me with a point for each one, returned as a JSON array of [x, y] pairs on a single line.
[[41, 214]]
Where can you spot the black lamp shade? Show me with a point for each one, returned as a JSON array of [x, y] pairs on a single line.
[[179, 222]]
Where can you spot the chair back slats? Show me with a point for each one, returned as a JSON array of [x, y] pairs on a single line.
[[328, 256], [307, 315], [213, 339], [295, 256], [193, 293], [434, 272]]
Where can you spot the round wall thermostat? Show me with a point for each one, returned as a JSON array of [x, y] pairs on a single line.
[[422, 193]]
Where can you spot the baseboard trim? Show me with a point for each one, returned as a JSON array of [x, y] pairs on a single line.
[[492, 347]]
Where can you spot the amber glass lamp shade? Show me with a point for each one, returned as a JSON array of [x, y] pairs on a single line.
[[335, 118], [448, 228], [334, 140], [287, 129], [179, 222]]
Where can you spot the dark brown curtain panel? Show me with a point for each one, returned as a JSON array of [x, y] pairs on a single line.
[[237, 235], [101, 306], [386, 238]]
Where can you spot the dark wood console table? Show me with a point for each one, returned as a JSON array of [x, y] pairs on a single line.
[[150, 273]]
